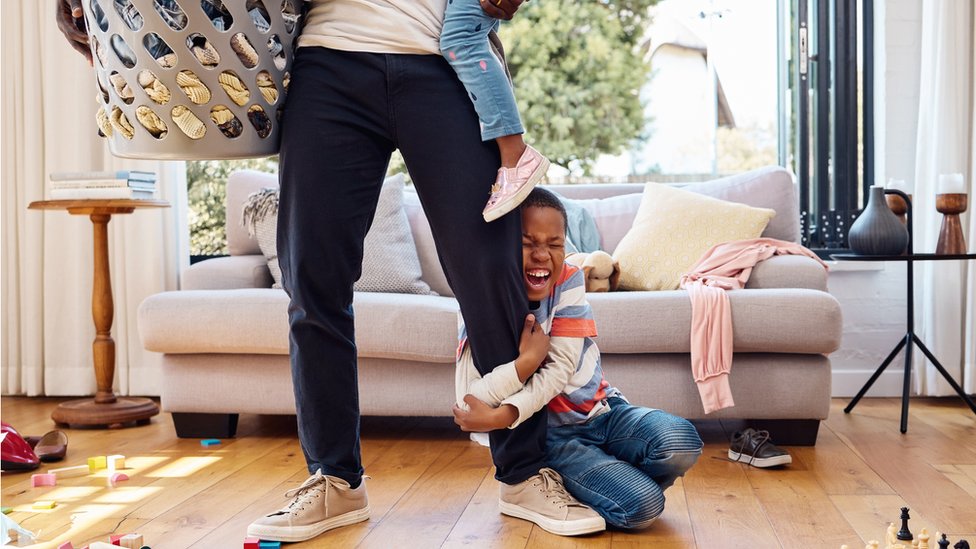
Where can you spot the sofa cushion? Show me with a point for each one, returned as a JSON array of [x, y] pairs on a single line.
[[672, 230], [227, 273], [399, 326], [430, 263], [390, 262]]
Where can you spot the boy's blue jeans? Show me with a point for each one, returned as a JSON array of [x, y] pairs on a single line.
[[464, 43], [619, 463]]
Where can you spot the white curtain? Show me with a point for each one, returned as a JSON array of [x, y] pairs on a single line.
[[969, 366], [48, 126], [944, 144]]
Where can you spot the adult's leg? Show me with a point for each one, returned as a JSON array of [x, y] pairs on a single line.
[[335, 148], [625, 496], [662, 445], [464, 43], [453, 170]]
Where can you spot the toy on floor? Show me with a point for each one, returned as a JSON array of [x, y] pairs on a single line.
[[902, 538], [210, 442], [601, 270]]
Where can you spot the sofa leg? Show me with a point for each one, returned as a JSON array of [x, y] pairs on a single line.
[[193, 425], [789, 432]]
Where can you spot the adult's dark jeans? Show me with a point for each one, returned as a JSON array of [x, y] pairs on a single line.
[[345, 114]]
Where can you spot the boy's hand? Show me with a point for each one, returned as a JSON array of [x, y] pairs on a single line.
[[501, 9], [533, 348], [481, 418], [71, 21]]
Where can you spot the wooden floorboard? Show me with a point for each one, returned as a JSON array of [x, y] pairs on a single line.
[[431, 487]]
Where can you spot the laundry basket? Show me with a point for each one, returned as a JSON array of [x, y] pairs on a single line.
[[191, 79]]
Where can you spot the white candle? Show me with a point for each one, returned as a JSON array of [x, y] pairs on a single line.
[[951, 183], [899, 185]]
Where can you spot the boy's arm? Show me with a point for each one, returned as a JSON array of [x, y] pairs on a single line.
[[549, 381], [492, 388]]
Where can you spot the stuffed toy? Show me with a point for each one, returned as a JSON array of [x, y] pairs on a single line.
[[601, 270]]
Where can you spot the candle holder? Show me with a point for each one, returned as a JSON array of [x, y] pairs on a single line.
[[951, 240], [898, 206]]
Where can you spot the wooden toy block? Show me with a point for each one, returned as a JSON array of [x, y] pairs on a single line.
[[252, 543], [115, 462], [96, 463], [210, 442], [66, 545], [118, 477], [43, 479], [44, 505], [132, 541], [67, 472], [114, 538], [7, 510], [269, 544]]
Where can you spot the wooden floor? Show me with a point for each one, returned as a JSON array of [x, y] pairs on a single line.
[[432, 487]]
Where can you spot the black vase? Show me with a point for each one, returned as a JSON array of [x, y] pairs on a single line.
[[877, 231]]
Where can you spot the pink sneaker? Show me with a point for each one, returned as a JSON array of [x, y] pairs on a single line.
[[514, 184]]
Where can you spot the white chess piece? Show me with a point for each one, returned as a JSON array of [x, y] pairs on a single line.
[[873, 544], [923, 538], [891, 536]]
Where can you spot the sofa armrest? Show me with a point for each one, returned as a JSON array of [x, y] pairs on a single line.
[[789, 271], [228, 273]]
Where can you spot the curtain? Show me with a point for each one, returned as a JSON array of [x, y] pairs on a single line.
[[969, 367], [944, 144], [48, 126]]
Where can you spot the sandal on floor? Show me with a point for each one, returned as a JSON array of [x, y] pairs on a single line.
[[52, 446]]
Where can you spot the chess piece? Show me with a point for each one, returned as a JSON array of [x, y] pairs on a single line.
[[873, 544], [904, 534], [890, 535], [943, 542], [923, 538], [961, 544]]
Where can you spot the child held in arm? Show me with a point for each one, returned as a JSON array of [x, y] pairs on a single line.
[[464, 43], [612, 456]]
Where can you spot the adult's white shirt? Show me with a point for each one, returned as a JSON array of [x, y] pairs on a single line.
[[375, 26]]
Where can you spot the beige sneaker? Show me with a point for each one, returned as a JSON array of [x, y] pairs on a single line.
[[321, 503], [543, 499]]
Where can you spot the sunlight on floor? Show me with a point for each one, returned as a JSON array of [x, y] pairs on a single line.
[[184, 466]]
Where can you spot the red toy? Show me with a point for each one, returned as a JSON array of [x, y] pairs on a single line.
[[15, 453]]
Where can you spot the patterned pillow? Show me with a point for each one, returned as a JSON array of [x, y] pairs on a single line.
[[672, 230], [390, 262]]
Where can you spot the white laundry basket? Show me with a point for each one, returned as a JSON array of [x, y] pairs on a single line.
[[191, 79]]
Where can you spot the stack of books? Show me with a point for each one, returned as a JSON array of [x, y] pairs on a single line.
[[128, 184]]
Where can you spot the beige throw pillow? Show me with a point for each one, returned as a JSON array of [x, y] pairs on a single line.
[[390, 262], [672, 230]]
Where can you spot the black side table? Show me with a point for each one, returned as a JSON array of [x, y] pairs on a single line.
[[910, 338]]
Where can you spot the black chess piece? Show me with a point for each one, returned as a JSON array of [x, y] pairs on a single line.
[[904, 534], [961, 544], [943, 543]]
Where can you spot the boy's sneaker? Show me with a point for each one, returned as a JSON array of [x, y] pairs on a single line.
[[753, 447], [543, 499], [512, 185], [321, 503]]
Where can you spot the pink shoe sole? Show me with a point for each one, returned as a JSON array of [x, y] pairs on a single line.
[[513, 201]]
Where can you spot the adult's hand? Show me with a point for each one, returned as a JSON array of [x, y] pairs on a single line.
[[501, 9], [71, 21]]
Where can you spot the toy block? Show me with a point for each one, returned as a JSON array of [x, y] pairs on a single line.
[[269, 544], [67, 472], [101, 545], [132, 541], [210, 442], [114, 538], [118, 477], [114, 463], [44, 505], [7, 510], [43, 480], [252, 543], [96, 463], [66, 545]]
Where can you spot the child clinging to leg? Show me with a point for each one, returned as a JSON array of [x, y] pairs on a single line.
[[612, 456], [464, 43]]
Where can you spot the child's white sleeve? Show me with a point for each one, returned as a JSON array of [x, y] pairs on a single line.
[[491, 389], [549, 380]]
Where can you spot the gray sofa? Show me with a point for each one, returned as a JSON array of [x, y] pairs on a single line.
[[224, 336]]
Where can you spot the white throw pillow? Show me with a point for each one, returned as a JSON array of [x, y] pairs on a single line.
[[390, 262]]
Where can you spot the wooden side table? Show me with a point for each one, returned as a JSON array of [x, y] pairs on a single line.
[[105, 409]]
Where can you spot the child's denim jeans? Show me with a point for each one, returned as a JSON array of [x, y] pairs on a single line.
[[464, 43], [619, 463]]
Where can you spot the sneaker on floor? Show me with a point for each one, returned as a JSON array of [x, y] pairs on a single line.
[[321, 503], [753, 447], [543, 499], [512, 185]]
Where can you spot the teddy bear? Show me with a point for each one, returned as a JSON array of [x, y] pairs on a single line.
[[601, 270]]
